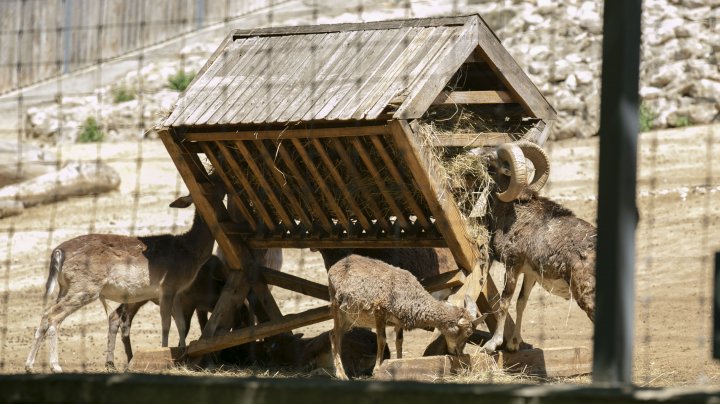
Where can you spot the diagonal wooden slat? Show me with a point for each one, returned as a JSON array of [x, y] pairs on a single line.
[[288, 223], [395, 173], [234, 198], [355, 174], [327, 194], [254, 198], [380, 182], [308, 194], [340, 182]]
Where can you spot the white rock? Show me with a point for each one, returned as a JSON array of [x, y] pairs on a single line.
[[561, 70], [571, 82], [707, 89], [648, 93], [667, 73], [584, 76]]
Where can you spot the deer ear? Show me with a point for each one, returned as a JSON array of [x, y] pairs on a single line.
[[182, 202]]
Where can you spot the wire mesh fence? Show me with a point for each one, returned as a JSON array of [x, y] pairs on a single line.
[[85, 83]]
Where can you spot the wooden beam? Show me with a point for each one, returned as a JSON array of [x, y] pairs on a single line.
[[288, 242], [471, 140], [295, 283], [473, 97], [443, 281], [280, 134], [264, 330]]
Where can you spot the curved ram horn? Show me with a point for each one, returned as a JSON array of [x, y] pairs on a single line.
[[540, 160], [512, 163]]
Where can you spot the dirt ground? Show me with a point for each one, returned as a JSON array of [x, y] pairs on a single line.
[[679, 204]]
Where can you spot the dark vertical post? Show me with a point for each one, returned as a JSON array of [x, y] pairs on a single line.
[[716, 309], [199, 13], [67, 36], [617, 212]]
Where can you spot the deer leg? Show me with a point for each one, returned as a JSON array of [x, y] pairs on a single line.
[[114, 320], [202, 316], [398, 341], [380, 324], [166, 305], [511, 275], [131, 309], [182, 322], [527, 286], [336, 335]]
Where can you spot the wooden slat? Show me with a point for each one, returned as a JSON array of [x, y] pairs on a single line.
[[340, 183], [286, 112], [355, 175], [234, 293], [433, 79], [265, 102], [247, 69], [295, 283], [345, 242], [343, 131], [254, 198], [511, 74], [413, 58], [234, 198], [266, 299], [320, 182], [380, 182], [473, 97], [264, 330], [373, 59], [288, 223], [444, 280], [471, 140], [395, 173], [390, 24], [281, 183], [308, 193]]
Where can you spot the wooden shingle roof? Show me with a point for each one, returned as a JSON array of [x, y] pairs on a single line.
[[343, 72]]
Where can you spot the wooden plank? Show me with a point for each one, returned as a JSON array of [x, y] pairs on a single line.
[[234, 293], [188, 166], [400, 182], [234, 198], [340, 183], [470, 140], [295, 283], [254, 198], [345, 242], [411, 61], [442, 204], [326, 62], [355, 176], [266, 299], [264, 330], [424, 90], [371, 59], [511, 74], [320, 182], [380, 182], [288, 223], [264, 103], [443, 281], [243, 80], [379, 25], [473, 97], [156, 359], [281, 184], [544, 363], [343, 131], [308, 193]]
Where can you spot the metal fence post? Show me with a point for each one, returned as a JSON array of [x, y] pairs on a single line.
[[617, 211], [67, 35], [716, 309]]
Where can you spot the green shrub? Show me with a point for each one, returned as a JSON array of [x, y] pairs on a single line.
[[681, 122], [122, 93], [647, 116], [90, 131], [180, 80]]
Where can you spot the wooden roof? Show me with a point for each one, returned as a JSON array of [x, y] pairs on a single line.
[[344, 72]]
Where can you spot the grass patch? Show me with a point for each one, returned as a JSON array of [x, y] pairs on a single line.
[[647, 116], [180, 80], [90, 131], [681, 122], [122, 93]]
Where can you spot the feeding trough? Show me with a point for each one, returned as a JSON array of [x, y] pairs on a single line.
[[332, 136]]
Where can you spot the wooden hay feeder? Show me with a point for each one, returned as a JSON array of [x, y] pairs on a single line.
[[312, 131]]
